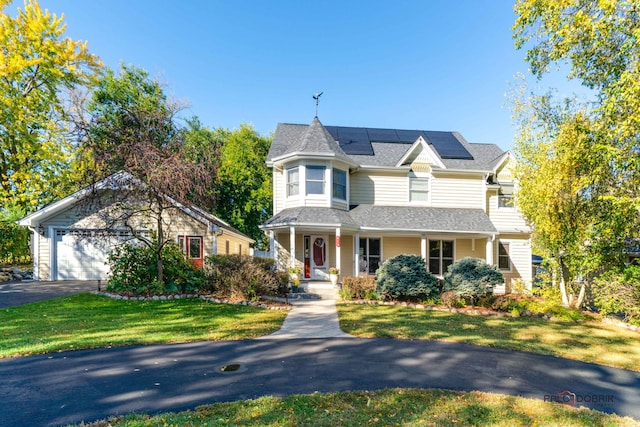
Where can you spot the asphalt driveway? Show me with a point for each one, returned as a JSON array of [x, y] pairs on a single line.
[[60, 388], [26, 292]]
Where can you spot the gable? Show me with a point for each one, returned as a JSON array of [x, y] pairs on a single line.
[[421, 157]]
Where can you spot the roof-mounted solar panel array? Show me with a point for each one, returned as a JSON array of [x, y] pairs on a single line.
[[357, 141]]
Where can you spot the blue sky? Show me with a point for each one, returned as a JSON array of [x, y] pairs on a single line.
[[424, 64]]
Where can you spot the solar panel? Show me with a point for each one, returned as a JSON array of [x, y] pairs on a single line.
[[352, 140], [382, 135], [358, 141], [447, 145], [409, 135]]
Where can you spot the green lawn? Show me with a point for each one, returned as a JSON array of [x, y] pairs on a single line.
[[92, 321], [588, 341], [406, 407]]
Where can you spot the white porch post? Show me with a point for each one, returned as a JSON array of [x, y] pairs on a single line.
[[423, 247], [292, 246], [338, 244], [489, 254], [356, 245]]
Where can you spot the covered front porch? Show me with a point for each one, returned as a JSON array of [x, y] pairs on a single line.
[[314, 251]]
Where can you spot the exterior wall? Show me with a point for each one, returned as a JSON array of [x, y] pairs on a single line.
[[347, 252], [278, 191], [392, 246], [465, 248], [379, 188], [457, 191], [506, 219], [520, 255]]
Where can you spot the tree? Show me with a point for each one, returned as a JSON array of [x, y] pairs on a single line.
[[36, 65], [130, 126], [579, 163], [243, 187]]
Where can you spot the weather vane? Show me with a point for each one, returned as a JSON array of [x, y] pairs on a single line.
[[317, 98]]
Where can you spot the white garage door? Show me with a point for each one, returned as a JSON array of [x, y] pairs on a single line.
[[79, 256]]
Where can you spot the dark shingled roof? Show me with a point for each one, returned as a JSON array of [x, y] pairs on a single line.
[[310, 216], [316, 138], [396, 218], [424, 219]]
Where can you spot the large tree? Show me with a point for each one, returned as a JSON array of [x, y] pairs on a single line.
[[243, 187], [37, 65], [579, 162], [131, 126]]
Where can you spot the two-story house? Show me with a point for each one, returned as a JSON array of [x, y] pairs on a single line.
[[350, 198]]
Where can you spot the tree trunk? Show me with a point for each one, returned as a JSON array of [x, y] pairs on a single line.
[[160, 243], [581, 295], [563, 286]]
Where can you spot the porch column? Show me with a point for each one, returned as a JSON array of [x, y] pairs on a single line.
[[338, 248], [356, 258], [292, 246], [423, 247], [489, 254]]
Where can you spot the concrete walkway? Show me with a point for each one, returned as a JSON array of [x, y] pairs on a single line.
[[311, 319]]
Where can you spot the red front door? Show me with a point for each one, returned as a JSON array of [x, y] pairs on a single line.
[[193, 248]]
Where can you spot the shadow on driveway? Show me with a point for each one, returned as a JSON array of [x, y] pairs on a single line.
[[26, 292]]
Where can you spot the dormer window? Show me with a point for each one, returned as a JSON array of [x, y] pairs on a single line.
[[293, 182], [339, 184], [315, 179]]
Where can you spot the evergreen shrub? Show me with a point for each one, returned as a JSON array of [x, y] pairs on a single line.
[[405, 278], [471, 278]]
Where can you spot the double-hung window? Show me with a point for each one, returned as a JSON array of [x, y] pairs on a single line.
[[293, 182], [419, 189], [505, 196], [504, 260], [440, 256], [339, 184], [315, 179]]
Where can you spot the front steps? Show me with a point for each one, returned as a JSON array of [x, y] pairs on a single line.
[[315, 290]]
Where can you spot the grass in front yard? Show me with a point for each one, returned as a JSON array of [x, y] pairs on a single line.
[[588, 341], [406, 407], [92, 321]]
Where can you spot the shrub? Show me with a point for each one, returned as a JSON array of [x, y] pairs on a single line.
[[405, 277], [618, 292], [134, 270], [358, 288], [242, 277], [471, 278], [14, 238], [451, 299]]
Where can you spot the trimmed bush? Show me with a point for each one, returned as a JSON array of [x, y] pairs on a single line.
[[134, 270], [405, 277], [471, 278], [451, 300], [358, 288], [239, 277]]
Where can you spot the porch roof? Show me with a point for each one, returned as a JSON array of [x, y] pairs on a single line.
[[311, 217], [422, 219], [387, 218]]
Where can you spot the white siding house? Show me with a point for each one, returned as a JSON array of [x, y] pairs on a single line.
[[352, 197]]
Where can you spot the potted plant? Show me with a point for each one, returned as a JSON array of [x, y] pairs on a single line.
[[294, 274], [333, 275], [295, 283]]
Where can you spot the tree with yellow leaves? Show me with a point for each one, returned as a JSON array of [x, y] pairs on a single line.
[[37, 65]]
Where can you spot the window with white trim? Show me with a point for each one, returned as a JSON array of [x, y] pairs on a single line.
[[293, 182], [369, 256], [505, 196], [440, 256], [418, 189], [339, 184], [504, 259], [315, 179]]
